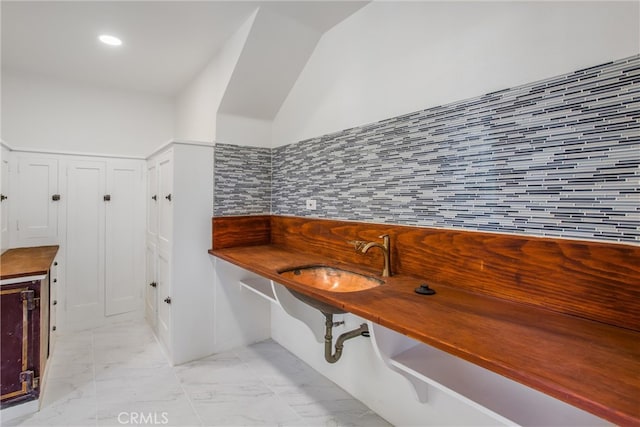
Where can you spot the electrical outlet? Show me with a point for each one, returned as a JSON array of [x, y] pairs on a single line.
[[311, 205]]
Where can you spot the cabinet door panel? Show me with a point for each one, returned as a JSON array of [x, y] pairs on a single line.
[[152, 200], [24, 339], [4, 203], [164, 291], [124, 238], [37, 220], [151, 292], [85, 242], [165, 198], [14, 350]]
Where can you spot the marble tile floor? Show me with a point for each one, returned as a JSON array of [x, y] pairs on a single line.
[[117, 375]]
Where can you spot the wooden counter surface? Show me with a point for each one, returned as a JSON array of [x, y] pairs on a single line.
[[588, 364], [26, 261]]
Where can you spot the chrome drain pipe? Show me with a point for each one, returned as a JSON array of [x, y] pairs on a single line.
[[328, 338]]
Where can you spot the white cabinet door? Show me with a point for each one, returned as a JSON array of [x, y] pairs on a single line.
[[84, 269], [152, 200], [164, 246], [4, 199], [164, 304], [37, 219], [153, 205], [165, 198], [151, 291], [124, 237]]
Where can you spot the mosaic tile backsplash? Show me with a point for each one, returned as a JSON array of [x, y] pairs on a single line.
[[242, 180], [559, 157]]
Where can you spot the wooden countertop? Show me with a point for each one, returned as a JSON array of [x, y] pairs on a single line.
[[26, 261], [588, 364]]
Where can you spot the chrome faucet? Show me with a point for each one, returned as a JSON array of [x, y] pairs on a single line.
[[363, 247]]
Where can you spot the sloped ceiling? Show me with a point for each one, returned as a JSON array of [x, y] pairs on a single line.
[[281, 40]]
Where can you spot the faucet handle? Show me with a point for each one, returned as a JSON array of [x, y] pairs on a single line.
[[357, 244]]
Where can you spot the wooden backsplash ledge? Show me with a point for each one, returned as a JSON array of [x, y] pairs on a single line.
[[597, 281], [232, 231]]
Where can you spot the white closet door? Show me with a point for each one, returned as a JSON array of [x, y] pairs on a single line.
[[85, 242], [37, 219], [124, 237], [164, 302], [165, 199], [164, 246], [151, 292], [4, 203], [152, 200]]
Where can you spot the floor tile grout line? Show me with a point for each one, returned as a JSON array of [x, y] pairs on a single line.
[[184, 390], [281, 399], [272, 389], [247, 365], [95, 383], [175, 374], [303, 417]]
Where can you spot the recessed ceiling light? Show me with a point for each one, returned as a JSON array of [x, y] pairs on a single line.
[[110, 40]]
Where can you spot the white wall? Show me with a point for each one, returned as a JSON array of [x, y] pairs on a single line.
[[197, 104], [240, 130], [47, 114], [392, 58]]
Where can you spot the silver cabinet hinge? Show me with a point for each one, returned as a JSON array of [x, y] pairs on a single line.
[[31, 381], [29, 297]]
